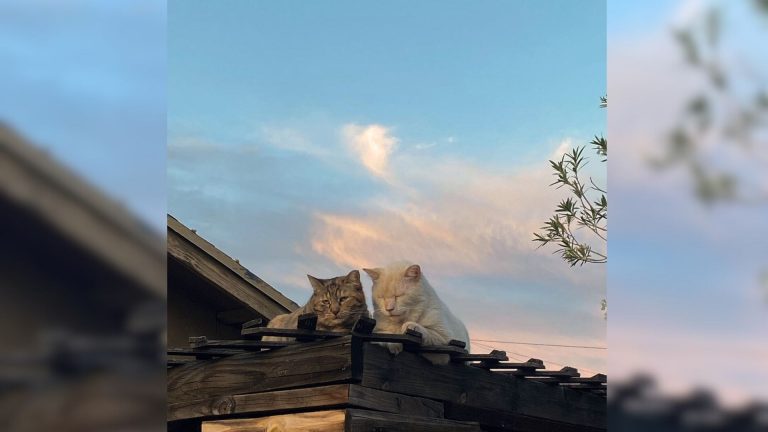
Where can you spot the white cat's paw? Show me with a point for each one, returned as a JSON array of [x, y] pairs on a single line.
[[410, 325], [394, 348]]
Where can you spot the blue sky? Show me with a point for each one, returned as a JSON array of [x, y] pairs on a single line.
[[85, 80], [309, 138]]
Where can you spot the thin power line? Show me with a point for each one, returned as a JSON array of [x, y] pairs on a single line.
[[539, 344], [525, 357]]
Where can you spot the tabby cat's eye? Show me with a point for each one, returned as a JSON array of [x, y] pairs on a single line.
[[343, 299]]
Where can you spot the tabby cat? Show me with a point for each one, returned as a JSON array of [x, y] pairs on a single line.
[[338, 302], [403, 299]]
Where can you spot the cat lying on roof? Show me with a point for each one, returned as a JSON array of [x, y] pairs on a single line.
[[338, 302], [403, 299]]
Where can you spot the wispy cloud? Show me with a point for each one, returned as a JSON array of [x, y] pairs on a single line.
[[455, 215], [373, 144]]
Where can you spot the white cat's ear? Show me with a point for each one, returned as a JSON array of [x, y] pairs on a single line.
[[373, 273], [315, 282], [413, 272], [353, 276]]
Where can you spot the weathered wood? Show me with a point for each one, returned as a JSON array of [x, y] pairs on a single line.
[[367, 421], [565, 373], [364, 397], [491, 358], [202, 353], [223, 277], [256, 322], [311, 398], [259, 403], [246, 345], [194, 251], [443, 349], [35, 181], [408, 340], [257, 332], [306, 321], [407, 373], [493, 420], [348, 420], [364, 326], [178, 362], [304, 364], [531, 364], [318, 421]]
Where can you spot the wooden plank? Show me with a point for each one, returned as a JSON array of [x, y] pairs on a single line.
[[256, 322], [442, 349], [364, 397], [319, 421], [233, 265], [221, 276], [565, 373], [367, 421], [202, 342], [259, 403], [202, 353], [306, 399], [83, 214], [257, 332], [178, 362], [409, 340], [407, 373], [531, 364], [364, 326], [504, 421], [299, 365], [491, 358], [348, 420]]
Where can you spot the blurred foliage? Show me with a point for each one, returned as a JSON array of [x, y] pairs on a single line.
[[586, 207], [726, 119]]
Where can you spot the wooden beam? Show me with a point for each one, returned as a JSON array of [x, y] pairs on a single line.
[[32, 179], [304, 364], [347, 420], [222, 277], [245, 277], [505, 421], [245, 345], [407, 373], [531, 364], [366, 421], [258, 332], [306, 399], [318, 421]]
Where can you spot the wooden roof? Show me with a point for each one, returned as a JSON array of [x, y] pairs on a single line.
[[219, 269], [31, 179]]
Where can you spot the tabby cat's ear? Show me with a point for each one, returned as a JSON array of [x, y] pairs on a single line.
[[373, 273], [353, 276], [317, 285], [413, 272]]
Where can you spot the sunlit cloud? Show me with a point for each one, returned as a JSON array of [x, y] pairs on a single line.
[[458, 217], [373, 144]]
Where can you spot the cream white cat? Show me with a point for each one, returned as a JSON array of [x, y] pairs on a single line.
[[403, 299]]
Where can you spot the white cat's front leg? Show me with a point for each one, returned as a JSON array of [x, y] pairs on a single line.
[[428, 337]]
